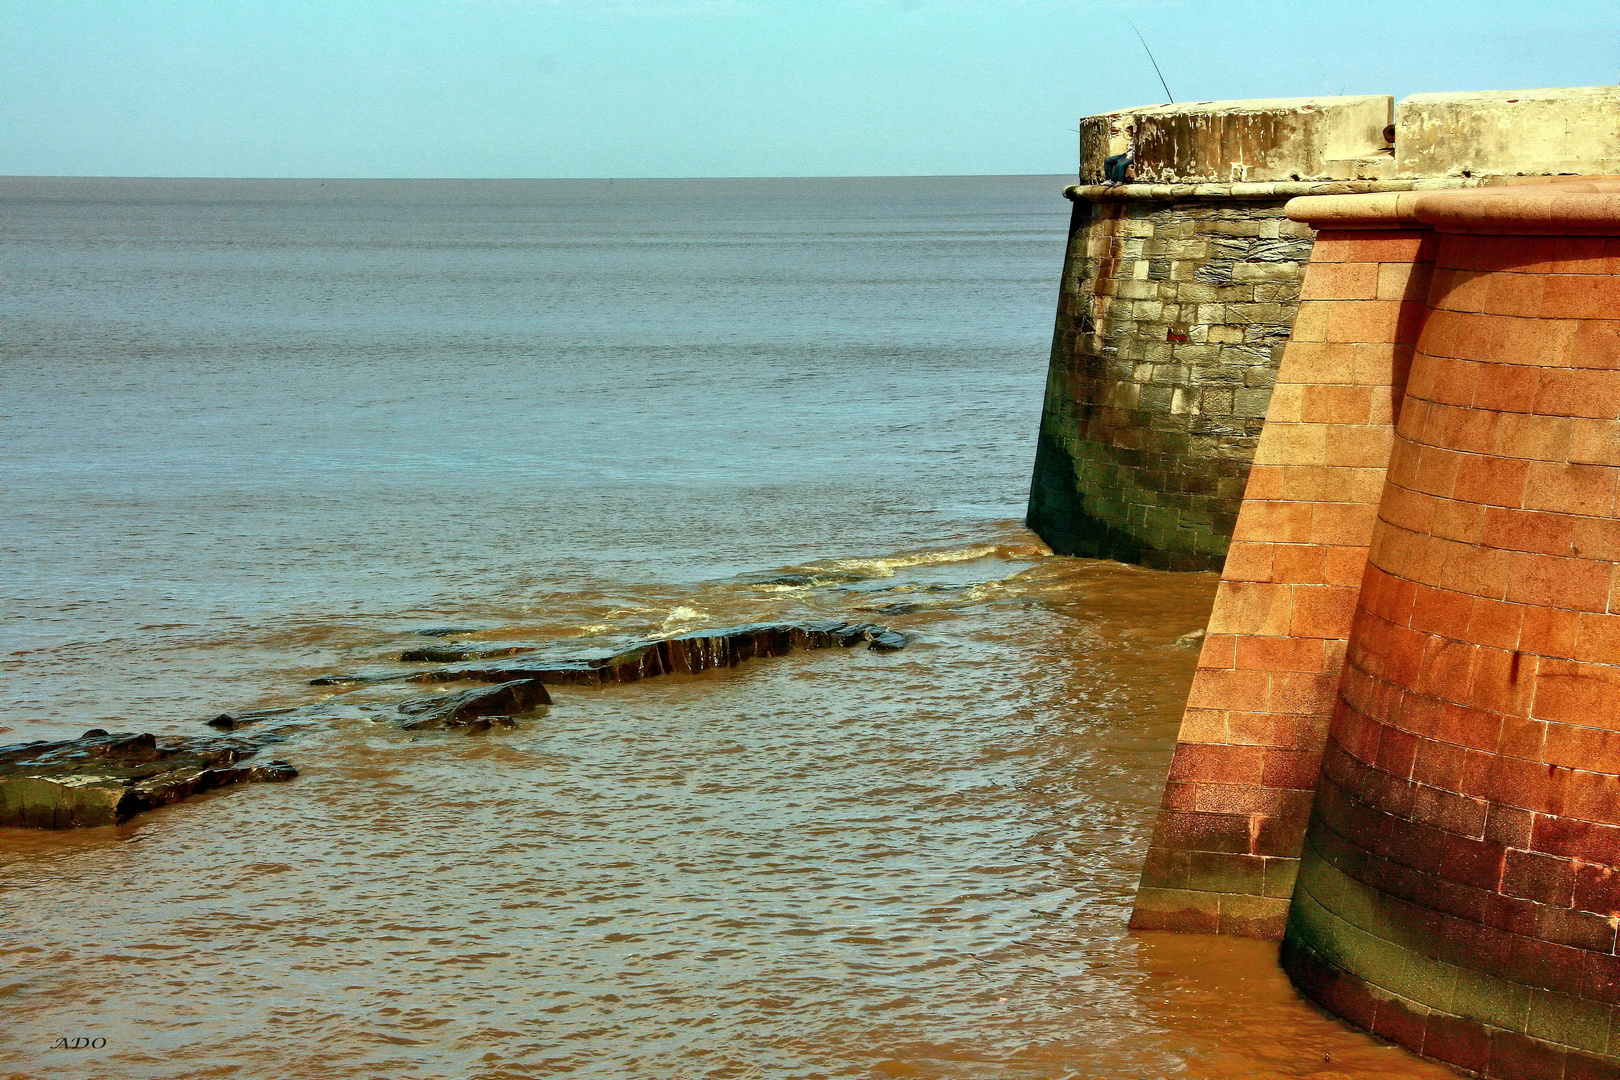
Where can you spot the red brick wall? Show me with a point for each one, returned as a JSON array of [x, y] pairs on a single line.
[[1458, 891], [1228, 836]]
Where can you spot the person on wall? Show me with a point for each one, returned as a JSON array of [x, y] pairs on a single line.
[[1121, 168]]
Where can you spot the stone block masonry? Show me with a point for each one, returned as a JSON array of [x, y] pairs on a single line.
[[1177, 294], [1227, 841], [1172, 316], [1169, 320]]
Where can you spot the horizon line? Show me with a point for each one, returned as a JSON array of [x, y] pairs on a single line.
[[323, 179]]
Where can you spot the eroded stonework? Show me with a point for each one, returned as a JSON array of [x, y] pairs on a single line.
[[1170, 326]]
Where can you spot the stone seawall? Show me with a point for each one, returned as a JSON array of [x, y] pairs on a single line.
[[1179, 290], [1170, 317], [1176, 302], [1402, 749]]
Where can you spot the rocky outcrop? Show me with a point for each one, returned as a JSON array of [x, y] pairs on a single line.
[[477, 709], [102, 779], [522, 673], [684, 654], [455, 654]]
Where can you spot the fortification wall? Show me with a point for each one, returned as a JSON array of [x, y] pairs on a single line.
[[1178, 292], [1170, 318], [1421, 702], [1227, 840]]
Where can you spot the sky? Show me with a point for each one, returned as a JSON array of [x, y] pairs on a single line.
[[593, 88]]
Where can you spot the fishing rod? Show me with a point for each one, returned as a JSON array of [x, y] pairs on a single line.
[[1154, 62]]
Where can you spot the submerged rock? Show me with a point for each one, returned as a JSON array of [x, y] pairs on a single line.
[[683, 654], [806, 578], [102, 779], [352, 680], [232, 721], [476, 709], [445, 631], [452, 654], [481, 724]]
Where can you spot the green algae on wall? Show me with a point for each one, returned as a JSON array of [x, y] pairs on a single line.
[[1171, 320]]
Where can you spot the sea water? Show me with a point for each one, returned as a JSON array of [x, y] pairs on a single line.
[[257, 432]]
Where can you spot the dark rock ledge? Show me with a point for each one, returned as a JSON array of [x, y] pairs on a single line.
[[102, 779], [476, 710], [452, 654], [683, 654], [522, 677]]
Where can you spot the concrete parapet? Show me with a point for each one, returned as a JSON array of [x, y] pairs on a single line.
[[1273, 139], [1509, 132]]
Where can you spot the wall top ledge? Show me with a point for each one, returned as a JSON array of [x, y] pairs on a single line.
[[1570, 129], [1577, 207], [1244, 142], [1553, 131], [1240, 192]]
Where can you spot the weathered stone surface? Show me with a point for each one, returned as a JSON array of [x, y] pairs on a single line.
[[1170, 327], [102, 779], [683, 654], [1272, 139], [1509, 132], [475, 709]]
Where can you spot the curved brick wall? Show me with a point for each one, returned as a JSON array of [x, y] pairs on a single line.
[[1459, 887], [1232, 820]]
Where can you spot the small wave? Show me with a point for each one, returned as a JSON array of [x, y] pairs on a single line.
[[681, 617], [888, 565]]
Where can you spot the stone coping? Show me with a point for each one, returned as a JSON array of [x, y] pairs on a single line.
[[1588, 205], [1276, 190]]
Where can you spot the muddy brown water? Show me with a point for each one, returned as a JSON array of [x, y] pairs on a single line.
[[830, 864], [258, 432]]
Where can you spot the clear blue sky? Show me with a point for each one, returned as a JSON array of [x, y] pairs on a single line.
[[707, 87]]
